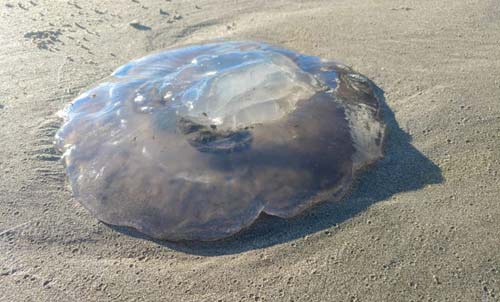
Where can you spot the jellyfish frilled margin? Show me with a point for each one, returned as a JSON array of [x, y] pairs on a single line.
[[194, 143]]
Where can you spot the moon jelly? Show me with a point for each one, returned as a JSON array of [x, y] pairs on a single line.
[[194, 143]]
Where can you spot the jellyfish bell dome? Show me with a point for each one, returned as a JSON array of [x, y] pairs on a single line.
[[194, 143]]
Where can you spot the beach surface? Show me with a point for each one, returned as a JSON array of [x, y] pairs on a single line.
[[423, 224]]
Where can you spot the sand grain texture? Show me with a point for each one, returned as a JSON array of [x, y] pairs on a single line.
[[423, 225]]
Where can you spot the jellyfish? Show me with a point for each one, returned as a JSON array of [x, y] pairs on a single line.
[[195, 143]]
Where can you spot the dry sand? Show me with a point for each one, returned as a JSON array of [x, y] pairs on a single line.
[[422, 225]]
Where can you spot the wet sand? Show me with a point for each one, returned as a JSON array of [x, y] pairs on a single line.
[[421, 225]]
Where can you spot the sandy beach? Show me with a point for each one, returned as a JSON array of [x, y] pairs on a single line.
[[423, 224]]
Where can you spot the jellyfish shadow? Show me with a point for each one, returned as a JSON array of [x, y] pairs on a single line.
[[402, 169]]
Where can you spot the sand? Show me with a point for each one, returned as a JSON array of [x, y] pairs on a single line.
[[422, 225]]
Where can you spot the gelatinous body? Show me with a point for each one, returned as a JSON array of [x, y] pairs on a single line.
[[194, 143]]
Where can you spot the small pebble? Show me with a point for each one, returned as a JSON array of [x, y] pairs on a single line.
[[436, 279], [137, 25]]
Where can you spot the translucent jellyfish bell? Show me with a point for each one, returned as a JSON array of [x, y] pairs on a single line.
[[194, 143]]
